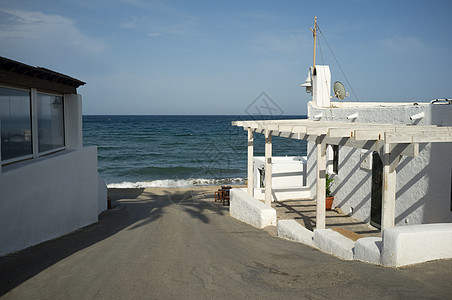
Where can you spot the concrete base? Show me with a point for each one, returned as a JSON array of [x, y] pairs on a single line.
[[334, 243], [292, 230], [284, 193], [250, 210], [406, 245], [369, 250]]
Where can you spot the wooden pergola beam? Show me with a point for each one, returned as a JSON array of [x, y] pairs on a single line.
[[391, 141], [419, 137], [389, 133]]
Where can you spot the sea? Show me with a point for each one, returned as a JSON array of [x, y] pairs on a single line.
[[177, 151]]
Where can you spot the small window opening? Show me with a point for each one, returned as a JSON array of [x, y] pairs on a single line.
[[335, 159]]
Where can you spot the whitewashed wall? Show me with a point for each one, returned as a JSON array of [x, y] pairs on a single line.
[[287, 171], [423, 183], [50, 196]]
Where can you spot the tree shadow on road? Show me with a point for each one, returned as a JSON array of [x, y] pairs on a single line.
[[132, 208]]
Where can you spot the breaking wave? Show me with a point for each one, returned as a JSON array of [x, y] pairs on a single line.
[[172, 183]]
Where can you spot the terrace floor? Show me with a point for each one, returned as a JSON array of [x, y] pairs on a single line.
[[304, 212]]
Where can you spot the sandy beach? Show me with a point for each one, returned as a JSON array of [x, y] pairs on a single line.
[[177, 195], [132, 193]]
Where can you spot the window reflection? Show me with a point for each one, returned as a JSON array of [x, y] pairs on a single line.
[[15, 122], [50, 122]]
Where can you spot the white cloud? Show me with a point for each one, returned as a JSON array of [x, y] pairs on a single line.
[[154, 34], [37, 27], [128, 25], [407, 44]]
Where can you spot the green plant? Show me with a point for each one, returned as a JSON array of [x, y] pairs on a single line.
[[328, 181]]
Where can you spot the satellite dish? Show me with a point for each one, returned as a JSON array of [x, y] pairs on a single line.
[[339, 90]]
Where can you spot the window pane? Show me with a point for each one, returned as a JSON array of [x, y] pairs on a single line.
[[15, 123], [50, 122]]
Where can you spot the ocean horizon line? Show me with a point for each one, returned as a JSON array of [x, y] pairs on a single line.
[[194, 115]]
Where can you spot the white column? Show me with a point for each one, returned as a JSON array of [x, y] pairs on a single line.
[[268, 168], [321, 183], [389, 189], [73, 121], [250, 162]]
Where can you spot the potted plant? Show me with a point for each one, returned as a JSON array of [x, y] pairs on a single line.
[[328, 197]]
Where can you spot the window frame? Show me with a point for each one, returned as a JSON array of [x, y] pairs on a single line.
[[47, 152], [28, 156], [33, 97]]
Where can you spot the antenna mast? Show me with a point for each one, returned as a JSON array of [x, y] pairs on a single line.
[[314, 33]]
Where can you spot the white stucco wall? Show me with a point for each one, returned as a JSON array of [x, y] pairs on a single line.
[[416, 244], [74, 138], [247, 209], [288, 178], [47, 197], [423, 183], [287, 171]]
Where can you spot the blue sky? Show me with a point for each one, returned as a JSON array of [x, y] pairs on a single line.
[[216, 57]]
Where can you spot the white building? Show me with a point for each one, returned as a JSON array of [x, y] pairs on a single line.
[[49, 184], [391, 164], [423, 184]]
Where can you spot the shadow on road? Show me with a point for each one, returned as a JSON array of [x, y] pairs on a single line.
[[132, 208]]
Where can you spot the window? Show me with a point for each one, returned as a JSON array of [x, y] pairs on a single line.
[[50, 122], [32, 124], [335, 159], [15, 116]]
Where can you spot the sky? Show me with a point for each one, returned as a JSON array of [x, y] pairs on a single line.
[[219, 57]]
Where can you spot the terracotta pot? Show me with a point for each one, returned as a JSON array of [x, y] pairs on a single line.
[[329, 202]]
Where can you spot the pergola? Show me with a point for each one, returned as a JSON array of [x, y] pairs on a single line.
[[390, 140]]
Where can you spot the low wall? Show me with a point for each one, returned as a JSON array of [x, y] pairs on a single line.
[[406, 245], [399, 246], [47, 197], [292, 230], [334, 243], [284, 193], [249, 210]]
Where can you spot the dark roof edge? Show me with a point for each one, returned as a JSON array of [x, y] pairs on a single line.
[[38, 72]]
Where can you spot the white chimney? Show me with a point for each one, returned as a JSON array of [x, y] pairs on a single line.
[[321, 86]]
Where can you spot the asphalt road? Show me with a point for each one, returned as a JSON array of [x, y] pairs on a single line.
[[164, 246]]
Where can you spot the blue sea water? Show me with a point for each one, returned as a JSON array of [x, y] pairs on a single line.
[[171, 151]]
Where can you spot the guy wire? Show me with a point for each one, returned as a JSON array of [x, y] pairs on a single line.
[[340, 68]]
